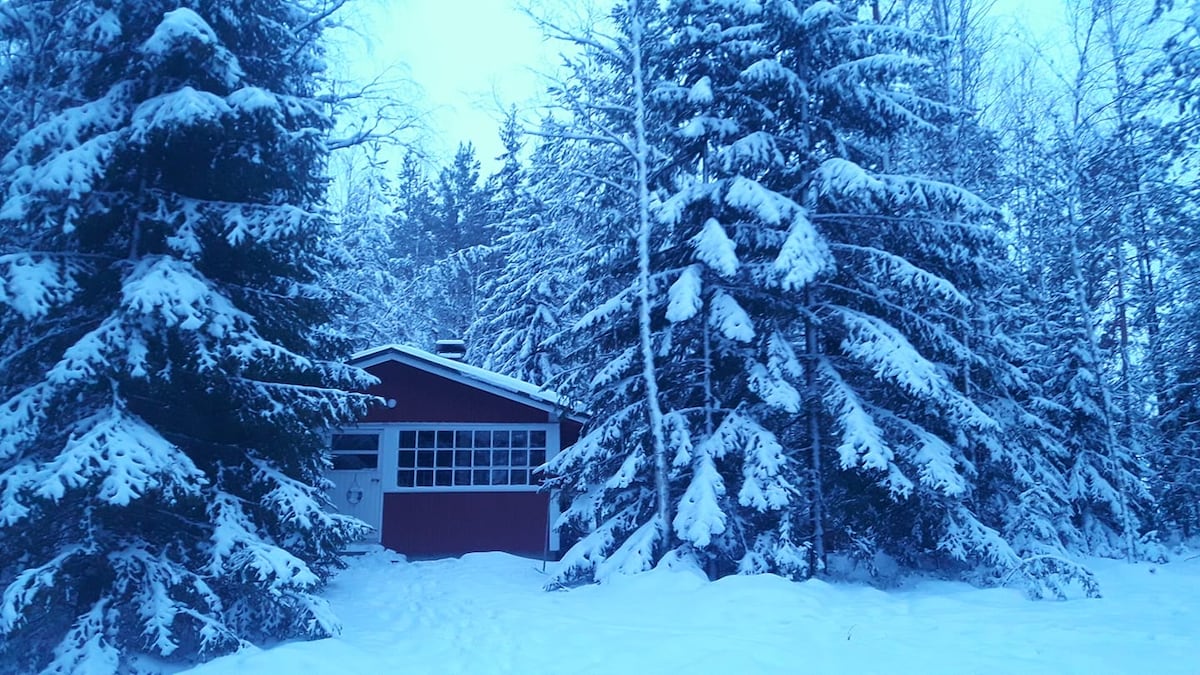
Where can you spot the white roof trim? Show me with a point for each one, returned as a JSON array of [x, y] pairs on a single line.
[[473, 376]]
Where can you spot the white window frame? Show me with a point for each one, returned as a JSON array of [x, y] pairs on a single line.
[[378, 430], [390, 454]]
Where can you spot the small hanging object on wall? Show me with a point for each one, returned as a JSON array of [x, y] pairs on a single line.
[[355, 494]]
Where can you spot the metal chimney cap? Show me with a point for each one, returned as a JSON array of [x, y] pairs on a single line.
[[452, 349]]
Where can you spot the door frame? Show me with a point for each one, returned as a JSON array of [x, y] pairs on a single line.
[[382, 434]]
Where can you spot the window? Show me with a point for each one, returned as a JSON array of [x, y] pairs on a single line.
[[352, 452], [354, 442], [429, 458]]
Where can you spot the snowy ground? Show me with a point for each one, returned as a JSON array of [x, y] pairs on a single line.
[[486, 613]]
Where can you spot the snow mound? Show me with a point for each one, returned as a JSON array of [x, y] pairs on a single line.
[[486, 613]]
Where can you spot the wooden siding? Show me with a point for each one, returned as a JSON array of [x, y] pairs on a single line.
[[569, 431], [434, 524], [431, 523], [422, 396]]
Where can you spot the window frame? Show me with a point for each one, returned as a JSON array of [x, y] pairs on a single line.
[[390, 455], [380, 436]]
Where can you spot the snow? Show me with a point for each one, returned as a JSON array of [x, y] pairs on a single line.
[[628, 471], [938, 467], [87, 648], [23, 590], [486, 377], [72, 173], [253, 99], [861, 436], [178, 294], [183, 30], [169, 113], [698, 515], [179, 26], [684, 296], [32, 286], [763, 488], [755, 199], [105, 30], [770, 72], [729, 318], [72, 129], [892, 355], [236, 546], [701, 93], [635, 554], [756, 149], [715, 249], [615, 368], [904, 273], [775, 391], [127, 457], [487, 613], [803, 256]]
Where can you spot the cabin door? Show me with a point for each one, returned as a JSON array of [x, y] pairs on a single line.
[[357, 483]]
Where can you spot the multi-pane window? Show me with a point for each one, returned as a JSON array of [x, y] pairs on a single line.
[[354, 451], [469, 457]]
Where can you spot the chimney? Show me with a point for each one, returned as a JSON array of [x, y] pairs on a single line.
[[455, 350]]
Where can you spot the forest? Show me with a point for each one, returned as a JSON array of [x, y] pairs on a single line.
[[836, 281], [825, 289]]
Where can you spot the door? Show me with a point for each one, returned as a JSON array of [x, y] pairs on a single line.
[[357, 486]]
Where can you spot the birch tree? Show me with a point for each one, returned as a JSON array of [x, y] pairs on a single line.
[[616, 475]]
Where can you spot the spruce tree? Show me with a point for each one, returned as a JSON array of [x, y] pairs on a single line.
[[737, 246], [163, 393], [1081, 227], [449, 286], [1183, 57], [413, 212], [411, 230], [1177, 479], [863, 281], [1014, 516], [536, 261], [616, 477], [1177, 484], [366, 268], [812, 315]]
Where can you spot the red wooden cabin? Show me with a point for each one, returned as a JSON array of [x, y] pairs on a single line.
[[449, 465]]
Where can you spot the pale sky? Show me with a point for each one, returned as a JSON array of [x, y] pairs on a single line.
[[469, 60]]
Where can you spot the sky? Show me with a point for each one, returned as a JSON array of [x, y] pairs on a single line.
[[464, 62]]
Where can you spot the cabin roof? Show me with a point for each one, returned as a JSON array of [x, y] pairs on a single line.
[[480, 378]]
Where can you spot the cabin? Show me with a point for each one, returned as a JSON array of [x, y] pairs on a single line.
[[449, 464]]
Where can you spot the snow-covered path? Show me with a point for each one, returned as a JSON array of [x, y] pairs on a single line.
[[486, 613]]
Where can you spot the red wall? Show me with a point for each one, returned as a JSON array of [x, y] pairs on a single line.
[[424, 397], [569, 432], [431, 524]]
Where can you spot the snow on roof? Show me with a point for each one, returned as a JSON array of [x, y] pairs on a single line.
[[468, 372]]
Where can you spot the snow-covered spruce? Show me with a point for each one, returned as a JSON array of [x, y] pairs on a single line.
[[367, 265], [617, 474], [423, 243], [161, 393], [811, 321], [537, 220]]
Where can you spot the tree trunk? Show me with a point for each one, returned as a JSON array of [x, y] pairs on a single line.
[[811, 349], [641, 166]]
